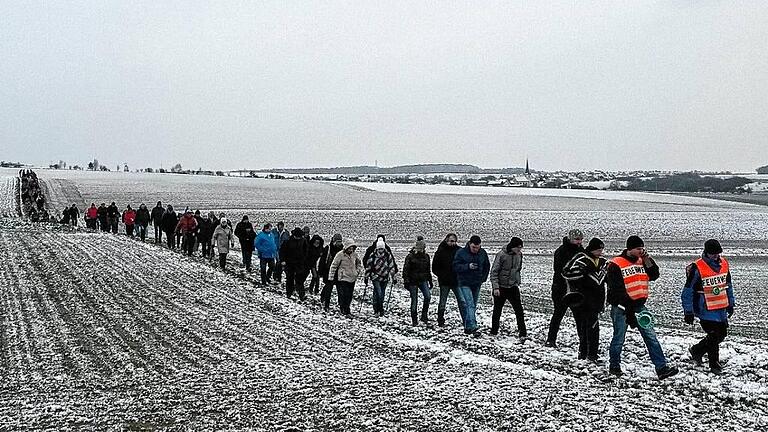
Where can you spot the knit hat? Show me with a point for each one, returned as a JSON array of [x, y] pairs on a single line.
[[575, 234], [712, 247], [380, 244], [420, 246], [348, 243], [595, 244], [336, 237], [223, 221], [297, 232], [515, 242], [634, 242], [475, 240]]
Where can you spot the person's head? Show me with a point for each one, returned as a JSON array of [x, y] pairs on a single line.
[[305, 230], [206, 217], [170, 207], [451, 239], [596, 247], [336, 240], [103, 204], [159, 204], [317, 241], [245, 218], [188, 212], [575, 237], [381, 244], [280, 226], [420, 246], [267, 227], [93, 204], [142, 206], [635, 246], [712, 249], [349, 246], [515, 245], [297, 233], [113, 203], [474, 244], [222, 215], [128, 207], [197, 212], [223, 222], [74, 205], [211, 215]]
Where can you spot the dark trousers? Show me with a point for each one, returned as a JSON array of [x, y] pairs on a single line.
[[129, 230], [294, 281], [222, 260], [158, 233], [247, 249], [170, 237], [206, 246], [142, 231], [557, 315], [710, 345], [325, 294], [103, 224], [113, 225], [90, 223], [314, 285], [189, 243], [345, 291], [179, 239], [267, 266], [588, 328], [278, 272], [513, 296]]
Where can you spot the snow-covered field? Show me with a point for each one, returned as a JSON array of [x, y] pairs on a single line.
[[102, 331], [8, 196]]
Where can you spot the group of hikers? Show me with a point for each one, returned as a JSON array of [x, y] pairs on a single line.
[[584, 281]]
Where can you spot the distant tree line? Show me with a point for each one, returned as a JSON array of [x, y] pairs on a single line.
[[689, 182]]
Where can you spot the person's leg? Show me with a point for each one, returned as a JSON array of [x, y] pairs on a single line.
[[652, 343], [290, 280], [376, 295], [414, 292], [619, 333], [593, 334], [581, 330], [557, 317], [517, 305], [498, 307], [301, 278], [444, 290], [469, 308], [263, 271], [426, 292], [277, 273], [716, 332], [271, 269], [222, 260], [325, 295], [129, 230], [459, 302], [349, 288]]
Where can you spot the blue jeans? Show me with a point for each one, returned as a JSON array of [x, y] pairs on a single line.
[[469, 295], [444, 290], [620, 331], [379, 288], [425, 291]]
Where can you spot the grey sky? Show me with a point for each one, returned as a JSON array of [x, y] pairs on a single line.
[[225, 85]]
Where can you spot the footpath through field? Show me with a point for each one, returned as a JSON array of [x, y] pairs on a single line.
[[101, 331]]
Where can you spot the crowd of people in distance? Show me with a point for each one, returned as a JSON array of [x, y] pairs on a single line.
[[583, 281]]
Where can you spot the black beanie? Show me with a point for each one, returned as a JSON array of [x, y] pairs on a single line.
[[515, 242], [634, 242], [475, 239], [712, 247], [595, 244]]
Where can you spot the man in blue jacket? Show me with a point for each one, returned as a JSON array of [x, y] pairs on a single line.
[[267, 250], [472, 266], [708, 295]]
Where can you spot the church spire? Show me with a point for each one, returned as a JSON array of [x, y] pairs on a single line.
[[527, 169]]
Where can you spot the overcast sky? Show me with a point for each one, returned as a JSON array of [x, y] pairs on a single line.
[[571, 85]]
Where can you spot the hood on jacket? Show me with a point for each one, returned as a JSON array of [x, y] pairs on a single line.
[[348, 242], [316, 237], [297, 232]]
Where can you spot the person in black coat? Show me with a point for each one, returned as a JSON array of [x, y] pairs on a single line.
[[417, 276], [246, 235], [323, 266], [157, 221], [570, 247], [101, 215], [168, 223], [442, 267], [205, 234], [294, 254], [113, 217], [315, 252], [142, 220], [586, 274]]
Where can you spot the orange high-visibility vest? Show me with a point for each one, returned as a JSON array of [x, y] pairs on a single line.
[[715, 284], [635, 278]]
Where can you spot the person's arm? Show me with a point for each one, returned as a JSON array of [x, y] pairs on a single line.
[[459, 264], [495, 272], [731, 298], [688, 293], [486, 266], [574, 270], [334, 266], [407, 270], [617, 291]]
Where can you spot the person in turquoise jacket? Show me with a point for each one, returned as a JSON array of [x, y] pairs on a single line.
[[267, 250], [708, 295]]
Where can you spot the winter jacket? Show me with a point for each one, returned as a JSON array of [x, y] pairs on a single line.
[[265, 245], [222, 238], [205, 230], [92, 213], [442, 264], [280, 238], [245, 233], [157, 215], [617, 291], [187, 224], [294, 254], [324, 265], [142, 216], [380, 266], [129, 217], [349, 266], [314, 252], [417, 269], [564, 253], [466, 276], [505, 272], [588, 278], [113, 211], [101, 213], [693, 294], [169, 221], [372, 248]]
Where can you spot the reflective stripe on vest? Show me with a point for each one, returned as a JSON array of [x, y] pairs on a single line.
[[635, 277], [714, 283]]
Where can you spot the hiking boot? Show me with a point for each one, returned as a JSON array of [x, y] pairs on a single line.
[[595, 360], [615, 371], [550, 344], [716, 368], [666, 372], [471, 331], [698, 359]]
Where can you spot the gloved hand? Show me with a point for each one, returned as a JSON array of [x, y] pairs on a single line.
[[631, 319], [730, 312], [496, 292], [688, 318], [473, 266]]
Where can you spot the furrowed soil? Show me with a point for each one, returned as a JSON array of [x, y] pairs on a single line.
[[101, 331]]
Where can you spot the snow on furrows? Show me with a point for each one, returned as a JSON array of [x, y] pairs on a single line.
[[9, 196], [61, 193], [101, 331]]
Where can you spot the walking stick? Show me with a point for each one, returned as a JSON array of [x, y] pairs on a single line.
[[389, 296], [360, 300]]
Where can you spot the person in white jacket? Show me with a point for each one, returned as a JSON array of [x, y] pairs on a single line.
[[345, 269], [222, 240]]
